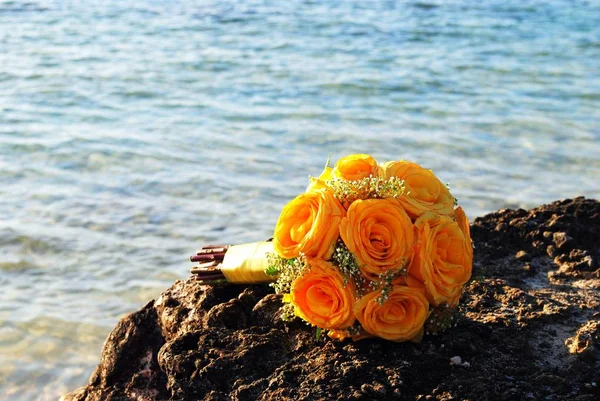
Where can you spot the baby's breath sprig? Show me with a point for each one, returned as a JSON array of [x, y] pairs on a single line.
[[440, 319], [287, 269], [275, 264], [287, 312], [355, 329], [385, 282], [455, 199], [367, 188], [346, 262]]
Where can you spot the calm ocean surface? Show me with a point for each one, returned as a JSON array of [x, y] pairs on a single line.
[[132, 132]]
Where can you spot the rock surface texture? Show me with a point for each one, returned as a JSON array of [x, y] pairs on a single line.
[[528, 329]]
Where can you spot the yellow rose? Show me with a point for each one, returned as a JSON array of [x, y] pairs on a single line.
[[444, 256], [424, 192], [321, 182], [400, 318], [379, 234], [321, 297], [309, 224], [356, 167], [463, 223]]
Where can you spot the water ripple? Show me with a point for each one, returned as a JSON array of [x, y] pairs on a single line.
[[133, 132]]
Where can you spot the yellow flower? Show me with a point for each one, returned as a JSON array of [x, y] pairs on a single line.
[[444, 256], [379, 234], [463, 223], [400, 318], [309, 224], [424, 192], [321, 181], [356, 167], [321, 297]]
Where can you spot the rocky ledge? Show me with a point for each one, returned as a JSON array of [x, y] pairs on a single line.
[[528, 329]]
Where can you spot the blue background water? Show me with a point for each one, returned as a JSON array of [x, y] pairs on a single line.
[[131, 132]]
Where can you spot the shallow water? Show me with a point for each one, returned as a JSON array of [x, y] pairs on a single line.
[[133, 132]]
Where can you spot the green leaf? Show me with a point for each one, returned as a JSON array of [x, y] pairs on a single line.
[[272, 271], [319, 331]]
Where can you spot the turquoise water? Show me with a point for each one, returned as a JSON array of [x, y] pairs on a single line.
[[133, 132]]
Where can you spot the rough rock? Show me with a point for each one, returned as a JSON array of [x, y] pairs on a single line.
[[528, 328]]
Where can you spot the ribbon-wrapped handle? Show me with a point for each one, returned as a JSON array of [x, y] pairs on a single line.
[[237, 264]]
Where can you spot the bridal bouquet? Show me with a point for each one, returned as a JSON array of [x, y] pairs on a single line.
[[367, 250]]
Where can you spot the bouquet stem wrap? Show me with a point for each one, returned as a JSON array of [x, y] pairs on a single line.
[[246, 264]]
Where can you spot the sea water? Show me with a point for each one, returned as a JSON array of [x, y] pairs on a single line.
[[132, 132]]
